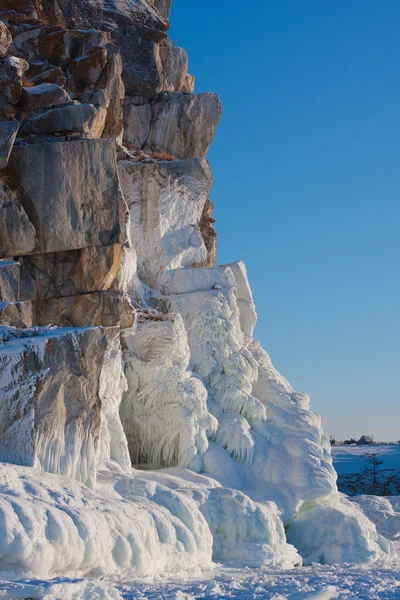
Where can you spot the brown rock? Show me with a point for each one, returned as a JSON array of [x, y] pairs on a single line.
[[54, 47], [43, 96], [84, 72], [70, 192], [5, 39], [70, 273], [7, 110], [11, 72], [106, 309]]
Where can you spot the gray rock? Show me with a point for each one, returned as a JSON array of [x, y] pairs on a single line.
[[11, 72], [16, 314], [182, 125], [5, 39], [106, 309], [69, 191], [17, 233], [9, 281], [58, 274], [137, 119], [43, 96], [49, 391], [8, 133], [74, 117]]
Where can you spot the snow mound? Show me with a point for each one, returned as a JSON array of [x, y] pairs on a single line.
[[337, 532], [132, 525]]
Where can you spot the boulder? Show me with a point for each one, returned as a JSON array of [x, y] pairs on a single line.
[[50, 410], [17, 234], [69, 273], [165, 201], [182, 125], [9, 280], [70, 192], [5, 39], [55, 75], [11, 72], [43, 96], [8, 133], [85, 71], [73, 117], [106, 309], [16, 314]]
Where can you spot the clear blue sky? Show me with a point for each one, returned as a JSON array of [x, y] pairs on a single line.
[[307, 188]]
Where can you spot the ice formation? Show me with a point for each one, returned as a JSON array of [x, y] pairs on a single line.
[[145, 431]]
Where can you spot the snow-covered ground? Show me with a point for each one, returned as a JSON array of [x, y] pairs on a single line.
[[315, 582], [307, 583]]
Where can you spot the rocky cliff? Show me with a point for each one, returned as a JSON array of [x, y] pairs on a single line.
[[127, 358]]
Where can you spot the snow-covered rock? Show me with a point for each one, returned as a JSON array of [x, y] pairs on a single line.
[[50, 406], [164, 409], [133, 523], [165, 201]]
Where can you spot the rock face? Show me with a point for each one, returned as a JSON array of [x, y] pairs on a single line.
[[69, 273], [142, 349], [8, 133], [43, 96], [9, 281], [75, 117], [50, 407], [55, 184], [180, 124], [17, 233], [105, 309], [166, 201], [16, 314]]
